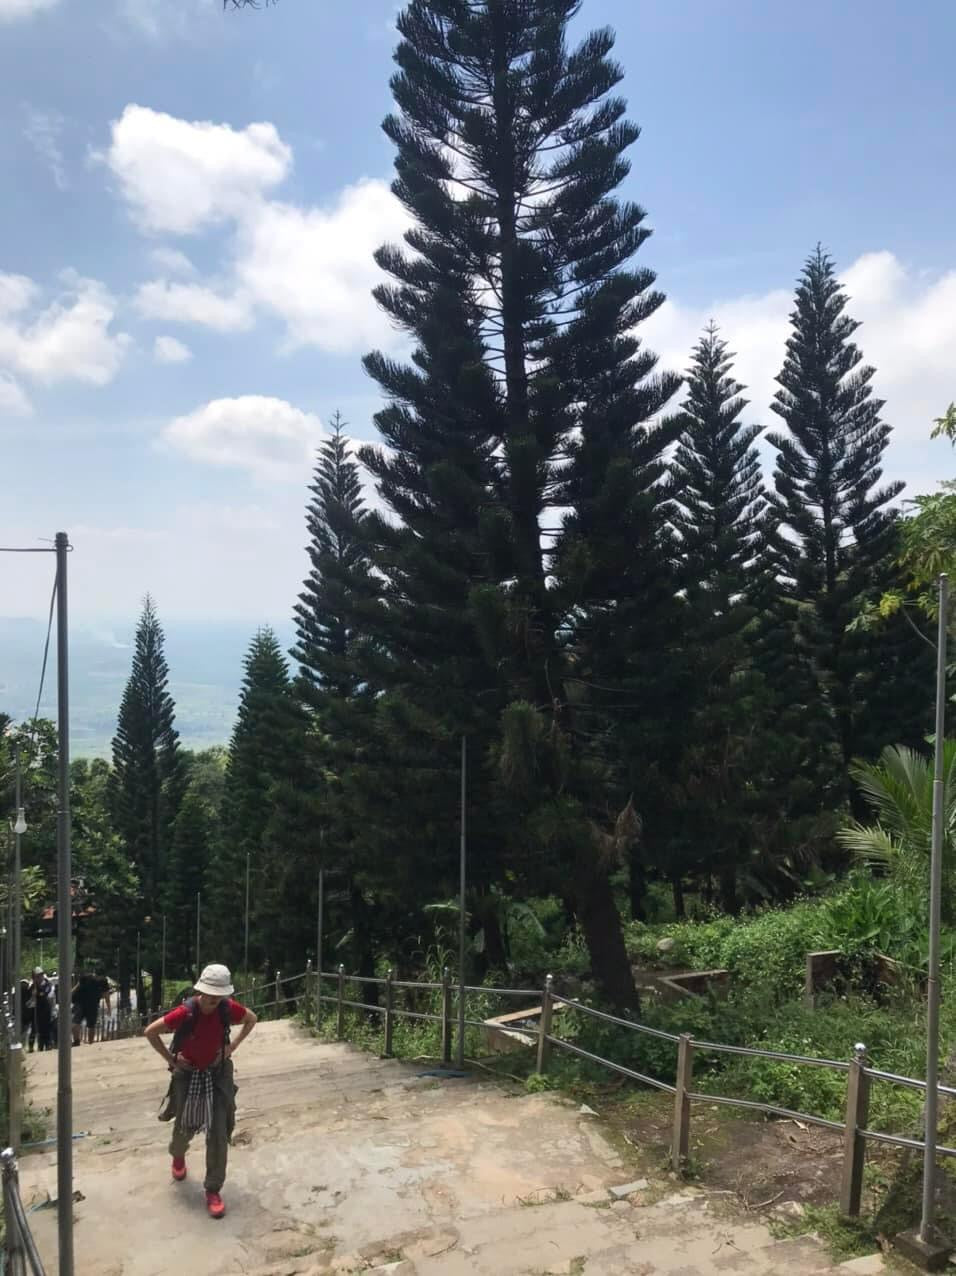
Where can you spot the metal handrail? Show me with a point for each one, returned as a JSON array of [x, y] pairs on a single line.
[[19, 1244], [623, 1023]]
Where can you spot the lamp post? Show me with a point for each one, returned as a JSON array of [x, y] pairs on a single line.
[[245, 945], [461, 907], [925, 1245], [927, 1229], [19, 828]]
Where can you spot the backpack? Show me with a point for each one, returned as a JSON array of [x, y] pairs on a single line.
[[185, 1029]]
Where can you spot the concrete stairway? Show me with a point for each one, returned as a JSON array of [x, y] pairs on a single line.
[[344, 1164]]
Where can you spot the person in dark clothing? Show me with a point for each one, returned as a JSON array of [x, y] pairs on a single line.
[[38, 1009], [90, 990]]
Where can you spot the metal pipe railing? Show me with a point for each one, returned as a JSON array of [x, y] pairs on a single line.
[[859, 1075]]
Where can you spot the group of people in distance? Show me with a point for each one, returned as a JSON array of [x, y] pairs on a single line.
[[40, 1007]]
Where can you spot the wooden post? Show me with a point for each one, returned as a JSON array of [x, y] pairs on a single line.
[[446, 1017], [854, 1145], [680, 1143], [389, 1018], [809, 992], [544, 1028], [340, 1025]]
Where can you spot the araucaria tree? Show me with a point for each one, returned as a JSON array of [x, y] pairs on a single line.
[[334, 700], [720, 500], [258, 754], [834, 531], [530, 390], [146, 784]]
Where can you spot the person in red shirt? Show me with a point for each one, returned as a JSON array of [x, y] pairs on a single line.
[[202, 1092]]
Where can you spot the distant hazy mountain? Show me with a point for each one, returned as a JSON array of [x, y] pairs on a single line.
[[205, 672]]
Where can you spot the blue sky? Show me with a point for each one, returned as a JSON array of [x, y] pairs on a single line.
[[190, 201]]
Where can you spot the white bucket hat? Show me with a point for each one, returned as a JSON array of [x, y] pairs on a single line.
[[215, 981]]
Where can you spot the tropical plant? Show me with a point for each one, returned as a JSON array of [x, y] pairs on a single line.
[[899, 788]]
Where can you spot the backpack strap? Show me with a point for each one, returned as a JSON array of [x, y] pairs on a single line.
[[191, 1006], [225, 1018]]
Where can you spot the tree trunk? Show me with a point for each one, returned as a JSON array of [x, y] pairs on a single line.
[[123, 978], [362, 942], [637, 884], [677, 886], [601, 924], [729, 901]]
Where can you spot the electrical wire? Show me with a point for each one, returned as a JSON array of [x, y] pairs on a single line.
[[46, 654]]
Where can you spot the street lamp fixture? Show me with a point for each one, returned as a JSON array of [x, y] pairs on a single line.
[[20, 826]]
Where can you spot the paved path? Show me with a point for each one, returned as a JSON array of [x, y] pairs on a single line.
[[344, 1164]]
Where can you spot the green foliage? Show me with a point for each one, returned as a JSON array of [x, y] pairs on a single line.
[[255, 765], [833, 534], [899, 788], [145, 786]]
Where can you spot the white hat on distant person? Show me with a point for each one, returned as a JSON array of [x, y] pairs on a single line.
[[215, 981], [38, 970]]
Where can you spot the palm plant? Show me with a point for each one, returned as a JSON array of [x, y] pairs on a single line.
[[899, 788]]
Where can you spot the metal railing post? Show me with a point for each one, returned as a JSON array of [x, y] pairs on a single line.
[[340, 1019], [12, 1241], [307, 997], [544, 1028], [446, 1016], [15, 1097], [389, 1013], [680, 1143], [278, 997], [854, 1145]]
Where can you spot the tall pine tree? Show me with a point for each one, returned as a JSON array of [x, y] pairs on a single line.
[[719, 494], [833, 534], [522, 307], [146, 784], [256, 761]]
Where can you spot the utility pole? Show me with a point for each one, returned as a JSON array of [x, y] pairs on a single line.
[[245, 948], [927, 1228], [64, 1105], [461, 909], [162, 994], [198, 913], [19, 828], [319, 922]]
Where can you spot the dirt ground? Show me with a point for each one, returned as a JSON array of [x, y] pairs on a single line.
[[344, 1163]]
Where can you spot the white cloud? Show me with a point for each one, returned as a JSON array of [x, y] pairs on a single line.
[[193, 303], [180, 176], [159, 22], [310, 266], [71, 339], [13, 401], [42, 130], [16, 293], [169, 350], [11, 10], [908, 333], [266, 436], [172, 262], [313, 267]]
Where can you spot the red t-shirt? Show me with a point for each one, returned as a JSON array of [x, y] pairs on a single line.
[[205, 1041]]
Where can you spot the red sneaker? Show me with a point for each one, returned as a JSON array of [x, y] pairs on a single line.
[[215, 1205], [179, 1168]]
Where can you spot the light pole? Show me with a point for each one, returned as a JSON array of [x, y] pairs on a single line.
[[245, 947], [64, 1106], [927, 1229], [19, 828], [162, 976], [198, 908], [461, 909]]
